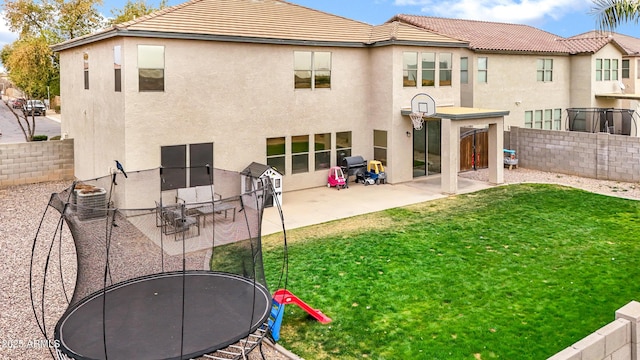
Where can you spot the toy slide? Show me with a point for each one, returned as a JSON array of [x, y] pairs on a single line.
[[285, 297]]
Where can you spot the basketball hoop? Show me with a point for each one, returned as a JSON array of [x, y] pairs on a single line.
[[417, 120]]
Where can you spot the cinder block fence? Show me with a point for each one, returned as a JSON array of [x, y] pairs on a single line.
[[36, 161], [618, 340], [593, 155]]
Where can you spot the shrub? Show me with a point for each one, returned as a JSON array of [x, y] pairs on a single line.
[[39, 138], [57, 137]]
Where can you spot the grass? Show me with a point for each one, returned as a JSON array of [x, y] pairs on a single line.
[[513, 272]]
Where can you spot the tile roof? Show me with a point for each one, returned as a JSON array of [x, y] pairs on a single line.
[[261, 21], [585, 44], [490, 36], [399, 31], [629, 44]]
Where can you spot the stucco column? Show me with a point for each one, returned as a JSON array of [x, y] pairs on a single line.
[[496, 145], [450, 156]]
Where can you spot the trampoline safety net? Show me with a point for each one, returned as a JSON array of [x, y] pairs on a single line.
[[165, 270]]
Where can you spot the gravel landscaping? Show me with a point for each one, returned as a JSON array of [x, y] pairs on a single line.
[[22, 209]]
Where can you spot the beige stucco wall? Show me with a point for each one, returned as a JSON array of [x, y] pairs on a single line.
[[94, 118], [237, 95], [584, 86], [234, 95], [512, 85]]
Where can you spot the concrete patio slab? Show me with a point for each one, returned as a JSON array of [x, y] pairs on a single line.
[[318, 205]]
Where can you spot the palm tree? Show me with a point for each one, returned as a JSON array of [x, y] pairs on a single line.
[[611, 13]]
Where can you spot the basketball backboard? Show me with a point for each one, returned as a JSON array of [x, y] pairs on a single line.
[[423, 103]]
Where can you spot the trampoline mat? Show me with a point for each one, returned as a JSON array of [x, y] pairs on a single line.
[[144, 317]]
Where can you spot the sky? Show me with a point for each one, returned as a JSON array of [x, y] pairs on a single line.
[[560, 17]]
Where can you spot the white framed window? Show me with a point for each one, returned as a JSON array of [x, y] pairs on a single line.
[[410, 69], [380, 146], [625, 69], [483, 69], [537, 119], [117, 68], [312, 70], [557, 119], [85, 60], [299, 154], [150, 68], [276, 151], [607, 69], [343, 145], [544, 70], [322, 151], [464, 70], [548, 119], [528, 119], [445, 64], [428, 69]]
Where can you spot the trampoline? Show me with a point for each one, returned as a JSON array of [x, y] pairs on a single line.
[[154, 278], [215, 316]]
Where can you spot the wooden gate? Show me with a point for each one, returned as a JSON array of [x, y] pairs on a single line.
[[474, 150]]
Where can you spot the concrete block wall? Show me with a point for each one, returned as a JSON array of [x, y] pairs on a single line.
[[36, 161], [593, 155], [617, 340]]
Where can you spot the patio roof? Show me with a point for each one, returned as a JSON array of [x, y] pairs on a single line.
[[461, 113], [619, 96]]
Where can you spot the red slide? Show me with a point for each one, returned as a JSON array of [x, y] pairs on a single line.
[[286, 297]]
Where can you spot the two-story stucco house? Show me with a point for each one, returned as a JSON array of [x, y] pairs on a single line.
[[240, 81]]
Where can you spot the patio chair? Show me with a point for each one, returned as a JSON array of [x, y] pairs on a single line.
[[174, 220]]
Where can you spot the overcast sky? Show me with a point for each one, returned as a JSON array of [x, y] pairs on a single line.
[[561, 17]]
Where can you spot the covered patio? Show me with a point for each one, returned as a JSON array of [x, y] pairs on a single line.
[[452, 120]]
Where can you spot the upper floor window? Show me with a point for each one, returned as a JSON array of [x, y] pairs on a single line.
[[444, 62], [483, 69], [625, 69], [428, 69], [606, 69], [433, 69], [410, 69], [464, 70], [544, 70], [117, 67], [150, 68], [312, 70], [85, 59]]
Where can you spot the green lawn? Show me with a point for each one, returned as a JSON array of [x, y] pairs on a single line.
[[513, 272]]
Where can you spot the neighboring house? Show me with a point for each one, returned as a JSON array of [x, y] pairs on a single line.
[[239, 81], [537, 75]]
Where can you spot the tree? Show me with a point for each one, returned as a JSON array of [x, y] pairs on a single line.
[[32, 69], [611, 13], [56, 20], [134, 9]]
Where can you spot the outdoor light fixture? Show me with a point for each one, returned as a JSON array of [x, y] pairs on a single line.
[[408, 133]]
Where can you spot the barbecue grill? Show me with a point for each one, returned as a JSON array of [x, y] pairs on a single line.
[[353, 166]]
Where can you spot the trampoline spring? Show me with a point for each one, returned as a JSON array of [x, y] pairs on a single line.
[[228, 352], [218, 358]]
